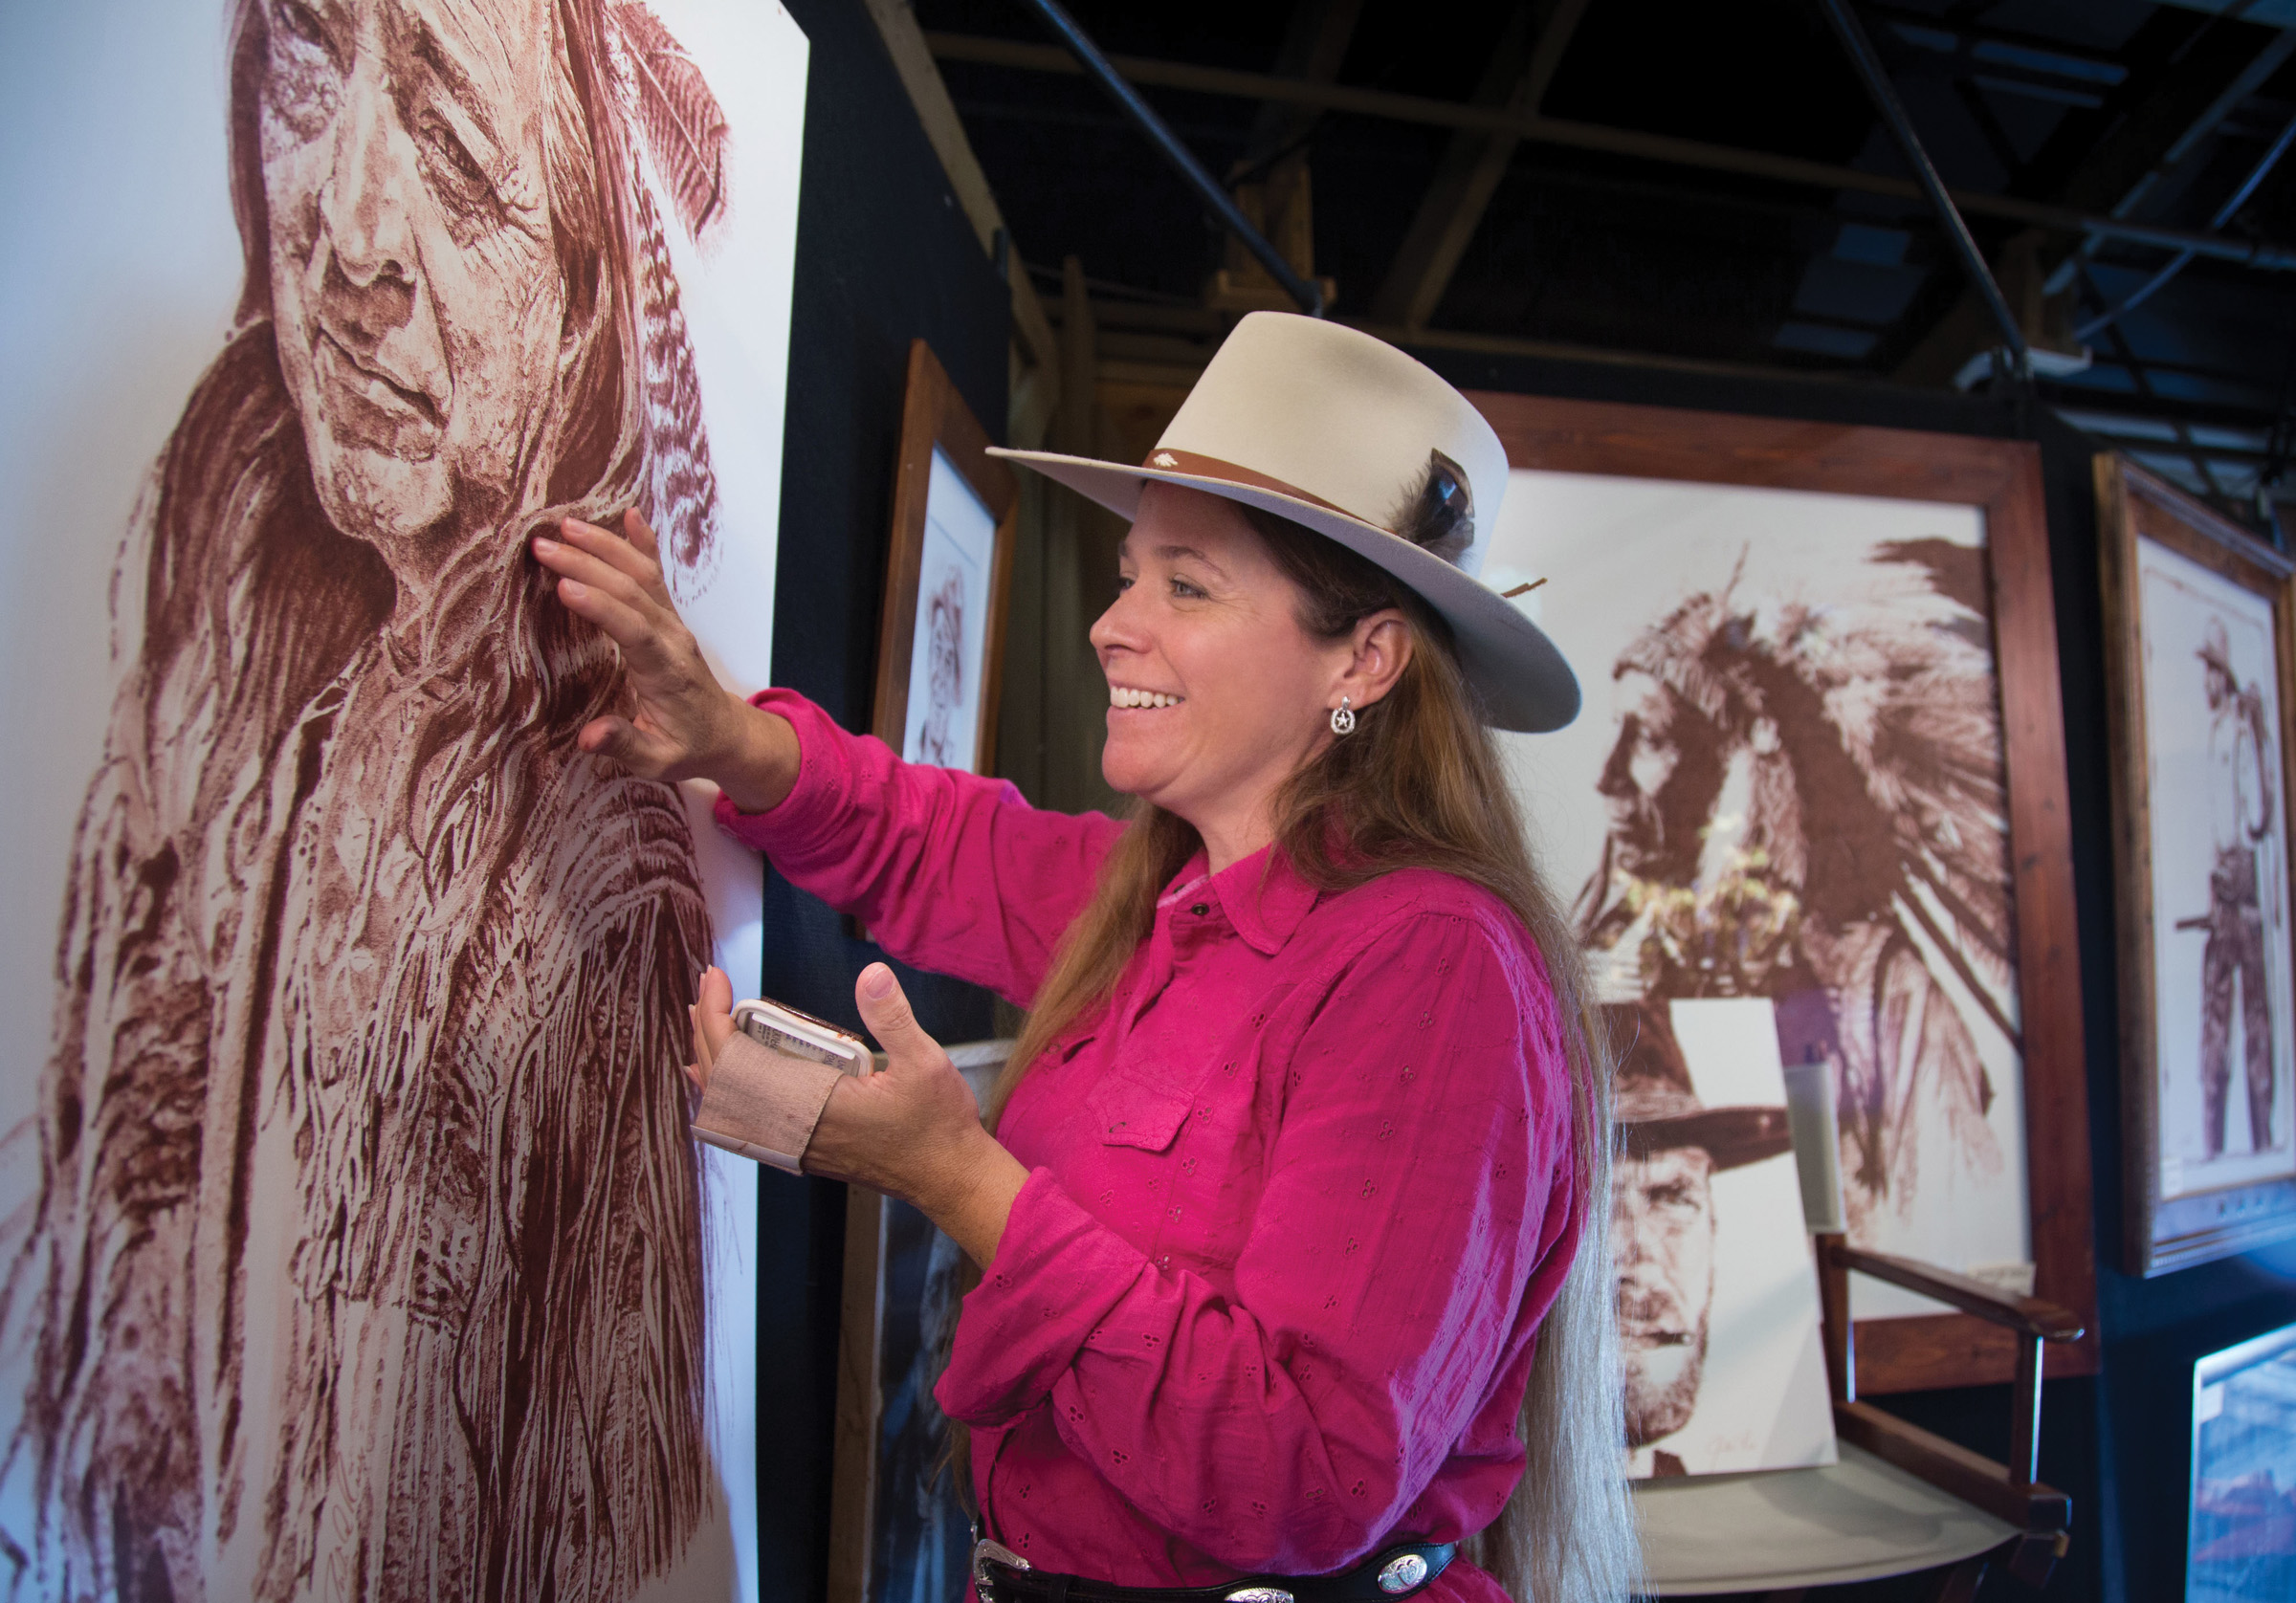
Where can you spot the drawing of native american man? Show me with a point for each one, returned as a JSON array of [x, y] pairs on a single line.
[[366, 1257], [1806, 803]]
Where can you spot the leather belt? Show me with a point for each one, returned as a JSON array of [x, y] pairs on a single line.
[[1401, 1569]]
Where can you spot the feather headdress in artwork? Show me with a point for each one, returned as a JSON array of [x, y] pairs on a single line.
[[1882, 792], [682, 129]]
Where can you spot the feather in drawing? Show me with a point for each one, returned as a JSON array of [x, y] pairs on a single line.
[[684, 131], [684, 127]]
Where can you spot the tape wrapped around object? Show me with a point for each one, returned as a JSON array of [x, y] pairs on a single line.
[[763, 1103]]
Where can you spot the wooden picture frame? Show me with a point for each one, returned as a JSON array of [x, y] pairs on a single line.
[[2001, 481], [2167, 562], [900, 1290], [936, 425]]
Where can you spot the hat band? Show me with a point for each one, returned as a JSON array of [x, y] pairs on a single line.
[[1166, 459]]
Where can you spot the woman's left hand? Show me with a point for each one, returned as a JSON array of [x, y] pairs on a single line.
[[912, 1130]]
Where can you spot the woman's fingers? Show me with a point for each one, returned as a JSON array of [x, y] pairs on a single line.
[[642, 539], [622, 742], [713, 1011], [570, 561], [620, 551], [885, 1010], [698, 1073]]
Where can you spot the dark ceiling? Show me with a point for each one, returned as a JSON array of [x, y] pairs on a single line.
[[2152, 114]]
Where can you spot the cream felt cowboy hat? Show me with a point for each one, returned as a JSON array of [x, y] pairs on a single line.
[[1349, 437]]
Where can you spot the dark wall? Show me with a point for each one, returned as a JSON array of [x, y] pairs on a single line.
[[884, 255], [2119, 1444]]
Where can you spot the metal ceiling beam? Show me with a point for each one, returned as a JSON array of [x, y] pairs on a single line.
[[2156, 120], [1538, 129], [1089, 62], [1884, 96], [1470, 172]]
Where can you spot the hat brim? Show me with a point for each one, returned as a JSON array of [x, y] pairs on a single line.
[[1523, 681], [1731, 1136]]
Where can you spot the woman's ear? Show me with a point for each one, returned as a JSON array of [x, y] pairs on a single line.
[[1382, 651]]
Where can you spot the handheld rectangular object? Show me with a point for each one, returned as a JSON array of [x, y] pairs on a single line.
[[771, 1082]]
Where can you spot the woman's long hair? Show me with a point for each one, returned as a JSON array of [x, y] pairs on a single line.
[[1420, 785]]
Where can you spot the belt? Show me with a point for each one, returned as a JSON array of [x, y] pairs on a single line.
[[1401, 1569]]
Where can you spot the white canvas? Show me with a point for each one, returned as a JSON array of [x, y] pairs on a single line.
[[1762, 1401], [122, 288], [2203, 782], [950, 649], [1873, 602]]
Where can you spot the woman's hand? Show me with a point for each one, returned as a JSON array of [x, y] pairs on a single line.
[[913, 1130], [713, 1018], [685, 724]]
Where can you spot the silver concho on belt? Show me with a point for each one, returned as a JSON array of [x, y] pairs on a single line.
[[1398, 1575]]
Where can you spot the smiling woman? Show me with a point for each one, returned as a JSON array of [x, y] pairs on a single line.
[[368, 1255], [1283, 1224]]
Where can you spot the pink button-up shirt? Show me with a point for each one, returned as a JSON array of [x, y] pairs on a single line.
[[1298, 1197]]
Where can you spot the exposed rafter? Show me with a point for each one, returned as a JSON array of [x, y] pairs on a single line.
[[1314, 45], [2154, 121], [1516, 79], [2270, 255]]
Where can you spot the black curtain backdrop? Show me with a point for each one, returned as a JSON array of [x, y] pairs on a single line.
[[884, 256]]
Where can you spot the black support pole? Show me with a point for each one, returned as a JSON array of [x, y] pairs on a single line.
[[1216, 199], [1884, 94]]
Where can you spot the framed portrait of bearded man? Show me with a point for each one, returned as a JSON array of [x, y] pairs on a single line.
[[1821, 762], [2198, 630], [352, 1238]]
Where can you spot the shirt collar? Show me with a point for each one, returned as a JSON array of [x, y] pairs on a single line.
[[1263, 895]]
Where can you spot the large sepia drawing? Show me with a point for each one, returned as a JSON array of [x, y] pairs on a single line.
[[366, 1256], [1799, 793], [1818, 769]]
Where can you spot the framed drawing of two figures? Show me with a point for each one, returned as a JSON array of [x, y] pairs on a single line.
[[2197, 626], [1819, 778]]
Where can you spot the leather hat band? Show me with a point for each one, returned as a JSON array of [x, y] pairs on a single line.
[[1165, 459]]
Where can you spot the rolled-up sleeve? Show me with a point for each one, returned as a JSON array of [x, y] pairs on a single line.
[[950, 871], [1416, 1184]]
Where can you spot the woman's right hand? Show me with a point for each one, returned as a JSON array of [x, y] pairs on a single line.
[[684, 725]]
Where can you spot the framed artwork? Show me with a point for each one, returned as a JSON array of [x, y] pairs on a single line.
[[2239, 1546], [2197, 617], [1718, 1317], [894, 1518], [1822, 764], [941, 649], [352, 1236]]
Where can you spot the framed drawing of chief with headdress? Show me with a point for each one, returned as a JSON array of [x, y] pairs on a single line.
[[2199, 618], [1822, 764]]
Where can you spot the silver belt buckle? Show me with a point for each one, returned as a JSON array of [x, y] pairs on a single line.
[[985, 1550]]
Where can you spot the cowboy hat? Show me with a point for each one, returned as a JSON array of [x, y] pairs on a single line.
[[1348, 436], [2216, 648], [1655, 1107]]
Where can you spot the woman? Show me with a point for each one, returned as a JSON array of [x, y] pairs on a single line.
[[1294, 1158]]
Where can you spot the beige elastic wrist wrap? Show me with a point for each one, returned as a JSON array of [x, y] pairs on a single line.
[[763, 1105]]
